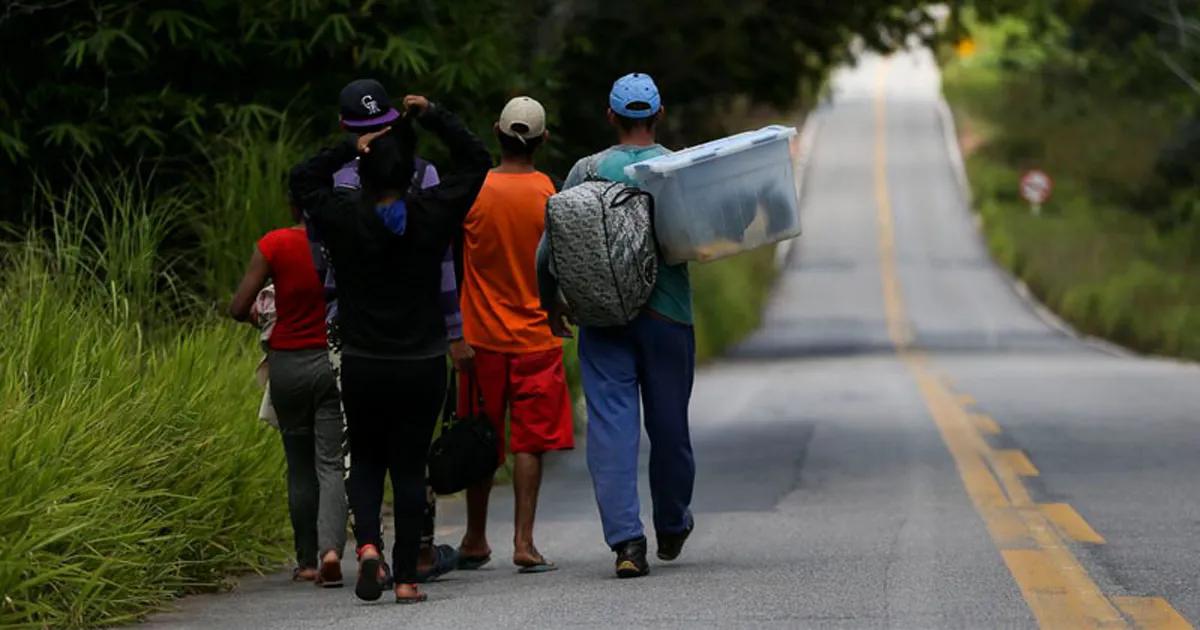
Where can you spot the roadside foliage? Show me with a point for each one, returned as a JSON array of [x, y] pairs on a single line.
[[1102, 95]]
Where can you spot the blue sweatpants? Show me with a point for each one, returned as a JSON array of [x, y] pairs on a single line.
[[654, 360]]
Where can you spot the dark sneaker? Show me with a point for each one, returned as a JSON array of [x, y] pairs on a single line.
[[631, 558], [670, 545]]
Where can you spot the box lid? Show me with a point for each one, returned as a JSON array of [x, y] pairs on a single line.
[[710, 150]]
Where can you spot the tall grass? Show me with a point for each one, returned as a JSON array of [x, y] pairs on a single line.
[[132, 463], [245, 198]]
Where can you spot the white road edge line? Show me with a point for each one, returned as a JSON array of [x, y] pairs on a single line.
[[808, 138], [1048, 317]]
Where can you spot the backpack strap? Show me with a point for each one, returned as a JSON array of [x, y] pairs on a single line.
[[628, 194]]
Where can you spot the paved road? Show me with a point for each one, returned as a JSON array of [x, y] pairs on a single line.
[[904, 444]]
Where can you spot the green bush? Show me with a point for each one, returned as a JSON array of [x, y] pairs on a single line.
[[1109, 266], [133, 466], [729, 297]]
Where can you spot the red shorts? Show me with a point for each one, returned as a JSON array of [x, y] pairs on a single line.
[[532, 389]]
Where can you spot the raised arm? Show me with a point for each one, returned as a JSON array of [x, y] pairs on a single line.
[[311, 181], [442, 208], [468, 154]]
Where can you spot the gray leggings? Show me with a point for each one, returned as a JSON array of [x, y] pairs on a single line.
[[305, 397]]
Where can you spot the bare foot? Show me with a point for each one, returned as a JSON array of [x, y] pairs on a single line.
[[371, 553], [409, 594], [474, 548], [330, 573], [304, 574], [528, 556]]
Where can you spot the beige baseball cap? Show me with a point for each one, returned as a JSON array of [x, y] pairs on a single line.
[[523, 118]]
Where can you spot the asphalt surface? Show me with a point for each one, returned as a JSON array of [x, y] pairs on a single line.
[[833, 488]]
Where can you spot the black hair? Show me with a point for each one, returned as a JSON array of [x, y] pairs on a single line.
[[388, 166], [627, 124], [512, 146]]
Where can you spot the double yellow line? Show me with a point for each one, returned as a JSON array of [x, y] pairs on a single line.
[[1033, 538]]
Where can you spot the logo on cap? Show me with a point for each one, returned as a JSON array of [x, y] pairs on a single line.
[[368, 101]]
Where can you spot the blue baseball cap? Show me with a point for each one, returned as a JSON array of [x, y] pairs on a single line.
[[635, 96]]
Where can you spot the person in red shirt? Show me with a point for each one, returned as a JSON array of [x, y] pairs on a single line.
[[518, 364], [305, 397]]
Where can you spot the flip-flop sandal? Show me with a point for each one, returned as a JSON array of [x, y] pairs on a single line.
[[388, 580], [447, 561], [297, 575], [542, 567], [407, 601], [368, 587], [330, 574], [472, 563]]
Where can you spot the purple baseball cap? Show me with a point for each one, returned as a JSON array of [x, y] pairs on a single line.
[[364, 103]]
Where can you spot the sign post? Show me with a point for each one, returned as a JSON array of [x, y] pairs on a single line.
[[1036, 187]]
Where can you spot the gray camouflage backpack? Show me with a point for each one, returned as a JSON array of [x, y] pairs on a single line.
[[602, 244]]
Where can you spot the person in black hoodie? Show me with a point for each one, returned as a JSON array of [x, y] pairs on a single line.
[[388, 241]]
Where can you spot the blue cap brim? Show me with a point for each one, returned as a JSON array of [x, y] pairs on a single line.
[[623, 109]]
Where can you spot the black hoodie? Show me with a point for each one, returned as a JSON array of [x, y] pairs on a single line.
[[388, 284]]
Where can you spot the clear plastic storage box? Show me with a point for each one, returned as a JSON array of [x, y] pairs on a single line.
[[723, 197]]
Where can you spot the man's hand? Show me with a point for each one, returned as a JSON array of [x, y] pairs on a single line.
[[560, 321], [365, 140], [462, 355], [416, 104]]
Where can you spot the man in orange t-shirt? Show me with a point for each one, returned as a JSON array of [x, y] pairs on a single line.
[[518, 367]]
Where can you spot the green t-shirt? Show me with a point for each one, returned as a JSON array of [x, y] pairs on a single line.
[[672, 295]]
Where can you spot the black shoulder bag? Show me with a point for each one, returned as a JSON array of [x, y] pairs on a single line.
[[465, 452]]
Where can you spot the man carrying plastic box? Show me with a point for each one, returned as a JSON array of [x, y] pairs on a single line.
[[653, 355]]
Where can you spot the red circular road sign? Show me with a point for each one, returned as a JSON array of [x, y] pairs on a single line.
[[1036, 187]]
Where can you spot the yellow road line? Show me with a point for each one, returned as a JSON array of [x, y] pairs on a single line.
[[1071, 523], [1018, 461], [1055, 585], [1152, 613], [985, 424], [1043, 588], [893, 302]]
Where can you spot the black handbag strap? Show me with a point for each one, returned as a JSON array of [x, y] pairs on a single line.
[[474, 402], [450, 405]]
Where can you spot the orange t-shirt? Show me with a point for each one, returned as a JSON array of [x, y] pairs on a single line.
[[500, 306]]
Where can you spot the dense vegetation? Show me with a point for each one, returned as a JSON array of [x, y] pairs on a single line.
[[1103, 97], [136, 80], [130, 459], [142, 151]]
